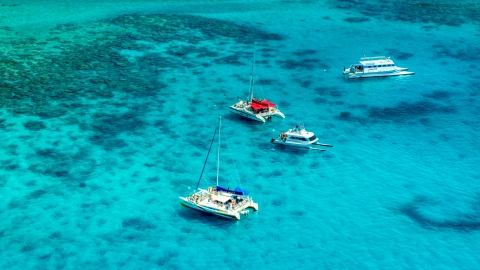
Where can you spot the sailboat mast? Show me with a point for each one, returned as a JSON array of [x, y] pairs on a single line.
[[218, 154], [252, 80], [206, 159]]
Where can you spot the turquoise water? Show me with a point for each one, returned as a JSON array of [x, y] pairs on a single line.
[[107, 109]]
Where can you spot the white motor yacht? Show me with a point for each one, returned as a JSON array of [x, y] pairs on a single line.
[[218, 200], [255, 109], [378, 66], [299, 137]]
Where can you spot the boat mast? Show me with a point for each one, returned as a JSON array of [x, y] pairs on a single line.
[[204, 164], [218, 154], [252, 79]]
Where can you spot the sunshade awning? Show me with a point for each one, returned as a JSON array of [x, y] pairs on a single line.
[[221, 198]]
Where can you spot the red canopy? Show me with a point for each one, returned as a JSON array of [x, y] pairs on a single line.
[[268, 103], [258, 105]]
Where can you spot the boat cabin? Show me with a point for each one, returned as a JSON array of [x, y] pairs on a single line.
[[373, 63], [305, 139], [298, 134], [224, 197]]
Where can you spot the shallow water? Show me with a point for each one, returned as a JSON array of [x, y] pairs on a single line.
[[107, 110]]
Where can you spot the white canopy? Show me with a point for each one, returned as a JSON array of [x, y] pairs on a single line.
[[221, 198]]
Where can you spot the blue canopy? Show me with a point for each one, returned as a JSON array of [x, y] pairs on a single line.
[[237, 191]]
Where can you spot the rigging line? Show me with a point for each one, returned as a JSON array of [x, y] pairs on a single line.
[[252, 80], [249, 92], [259, 82], [253, 74], [204, 164], [218, 154], [233, 161]]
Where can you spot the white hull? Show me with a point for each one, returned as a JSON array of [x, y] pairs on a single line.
[[300, 138], [214, 210], [298, 145], [261, 117], [380, 73], [356, 75]]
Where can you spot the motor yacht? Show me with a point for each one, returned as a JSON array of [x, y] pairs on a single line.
[[299, 137], [378, 66]]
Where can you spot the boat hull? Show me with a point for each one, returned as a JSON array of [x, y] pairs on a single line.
[[357, 75], [310, 146], [218, 212], [247, 114], [260, 117]]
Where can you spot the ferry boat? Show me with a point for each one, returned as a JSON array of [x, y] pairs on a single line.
[[218, 200], [255, 109], [378, 66], [299, 137]]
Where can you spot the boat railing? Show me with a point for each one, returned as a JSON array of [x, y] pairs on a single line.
[[373, 58]]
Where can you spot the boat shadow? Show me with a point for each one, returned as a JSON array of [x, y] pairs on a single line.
[[231, 117], [291, 150], [192, 215]]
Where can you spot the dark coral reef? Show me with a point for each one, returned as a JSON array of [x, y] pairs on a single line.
[[443, 12]]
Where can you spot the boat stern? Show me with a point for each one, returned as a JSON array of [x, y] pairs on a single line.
[[278, 113], [186, 202], [253, 205], [351, 75]]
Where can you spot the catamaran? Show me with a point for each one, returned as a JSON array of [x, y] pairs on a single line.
[[299, 137], [218, 200], [378, 66], [255, 109]]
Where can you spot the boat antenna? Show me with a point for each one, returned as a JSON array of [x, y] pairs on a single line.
[[204, 164], [218, 155], [252, 79]]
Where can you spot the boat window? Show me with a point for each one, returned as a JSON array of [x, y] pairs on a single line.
[[312, 138]]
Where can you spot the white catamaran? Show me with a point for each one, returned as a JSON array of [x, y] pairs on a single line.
[[378, 66], [218, 200], [299, 137], [255, 109]]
